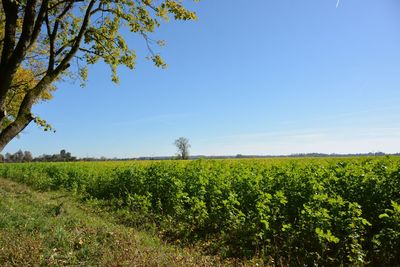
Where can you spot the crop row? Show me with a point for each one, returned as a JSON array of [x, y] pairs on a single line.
[[289, 212]]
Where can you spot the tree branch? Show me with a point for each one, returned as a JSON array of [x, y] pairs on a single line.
[[59, 50], [61, 67], [11, 13], [90, 51], [10, 66], [27, 30], [39, 21], [53, 33], [62, 2], [24, 116], [11, 16], [50, 67], [14, 128]]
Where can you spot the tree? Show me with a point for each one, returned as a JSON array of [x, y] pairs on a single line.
[[23, 81], [27, 156], [44, 37], [182, 144], [18, 156]]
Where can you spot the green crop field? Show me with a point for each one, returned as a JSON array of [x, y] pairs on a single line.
[[297, 212]]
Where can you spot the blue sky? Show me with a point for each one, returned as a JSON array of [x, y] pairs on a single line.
[[249, 77]]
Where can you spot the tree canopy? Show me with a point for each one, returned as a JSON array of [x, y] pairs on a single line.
[[40, 39], [182, 144], [24, 80]]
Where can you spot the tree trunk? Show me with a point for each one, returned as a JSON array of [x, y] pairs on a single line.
[[14, 129], [24, 116]]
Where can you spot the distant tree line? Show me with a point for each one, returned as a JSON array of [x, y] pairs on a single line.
[[18, 156], [62, 156], [65, 156], [26, 156]]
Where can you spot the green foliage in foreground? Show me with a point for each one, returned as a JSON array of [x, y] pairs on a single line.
[[296, 212], [51, 229]]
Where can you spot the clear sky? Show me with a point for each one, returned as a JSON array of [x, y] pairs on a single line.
[[249, 77]]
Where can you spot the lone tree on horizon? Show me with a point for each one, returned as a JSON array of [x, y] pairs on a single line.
[[183, 146]]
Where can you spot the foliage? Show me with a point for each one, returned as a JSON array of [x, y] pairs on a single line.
[[25, 79], [18, 156], [26, 156], [41, 39], [325, 212], [62, 156], [182, 144], [52, 229]]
